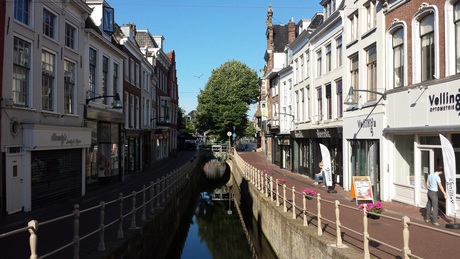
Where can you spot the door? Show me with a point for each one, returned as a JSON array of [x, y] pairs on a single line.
[[419, 180], [14, 184]]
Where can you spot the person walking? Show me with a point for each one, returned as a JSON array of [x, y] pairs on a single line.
[[433, 184]]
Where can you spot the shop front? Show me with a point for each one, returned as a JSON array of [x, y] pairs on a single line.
[[362, 139], [106, 152], [47, 168], [414, 146], [306, 153]]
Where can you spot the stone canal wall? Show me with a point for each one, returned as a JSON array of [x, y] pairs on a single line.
[[288, 237]]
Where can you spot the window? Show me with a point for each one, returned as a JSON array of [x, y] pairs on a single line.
[[126, 68], [105, 78], [329, 101], [297, 73], [339, 51], [115, 78], [353, 20], [372, 72], [302, 69], [21, 71], [137, 75], [92, 73], [371, 15], [47, 81], [328, 58], [354, 74], [427, 47], [457, 36], [108, 17], [49, 23], [301, 108], [398, 58], [69, 86], [319, 93], [318, 63], [338, 86], [131, 74], [22, 11], [307, 57], [70, 34]]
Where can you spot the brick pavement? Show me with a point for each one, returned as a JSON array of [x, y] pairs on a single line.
[[423, 242]]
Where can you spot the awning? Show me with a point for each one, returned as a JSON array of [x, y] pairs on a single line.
[[431, 129]]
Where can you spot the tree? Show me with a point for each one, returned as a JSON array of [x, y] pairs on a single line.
[[225, 100]]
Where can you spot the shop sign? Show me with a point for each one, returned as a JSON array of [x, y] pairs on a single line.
[[368, 123], [64, 139], [444, 102], [323, 133]]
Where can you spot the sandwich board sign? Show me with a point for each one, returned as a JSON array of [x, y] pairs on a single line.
[[361, 189]]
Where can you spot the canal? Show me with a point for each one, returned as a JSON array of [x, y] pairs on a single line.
[[217, 228]]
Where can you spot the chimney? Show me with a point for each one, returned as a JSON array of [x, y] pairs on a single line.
[[291, 31]]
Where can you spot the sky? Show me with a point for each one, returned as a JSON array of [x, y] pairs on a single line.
[[207, 33]]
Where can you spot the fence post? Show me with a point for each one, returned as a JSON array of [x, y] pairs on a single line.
[[76, 227], [338, 224], [305, 221], [144, 196], [284, 198], [272, 183], [163, 185], [120, 223], [365, 234], [406, 250], [33, 229], [168, 185], [101, 246], [133, 212], [318, 204], [277, 194], [158, 192], [152, 196], [293, 202]]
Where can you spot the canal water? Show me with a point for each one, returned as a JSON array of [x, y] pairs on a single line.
[[216, 230]]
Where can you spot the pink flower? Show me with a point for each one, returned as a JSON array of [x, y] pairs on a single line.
[[372, 207], [309, 192]]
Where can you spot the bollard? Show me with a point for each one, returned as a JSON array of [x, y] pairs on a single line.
[[76, 227], [143, 217], [33, 229], [120, 234], [293, 202], [318, 199], [133, 212], [152, 196], [406, 250], [101, 246], [338, 224]]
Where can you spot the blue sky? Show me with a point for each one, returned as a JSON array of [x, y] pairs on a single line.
[[207, 33]]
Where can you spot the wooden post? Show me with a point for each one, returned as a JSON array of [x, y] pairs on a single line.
[[33, 229], [338, 224], [120, 234], [133, 212], [320, 229], [101, 246], [406, 250], [76, 227]]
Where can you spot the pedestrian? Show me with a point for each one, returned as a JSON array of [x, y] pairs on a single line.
[[433, 184], [320, 176]]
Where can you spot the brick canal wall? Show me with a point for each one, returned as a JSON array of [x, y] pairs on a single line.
[[288, 237]]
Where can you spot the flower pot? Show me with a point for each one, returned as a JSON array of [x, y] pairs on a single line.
[[309, 197], [372, 216]]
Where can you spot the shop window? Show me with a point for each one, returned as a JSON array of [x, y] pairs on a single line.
[[404, 159]]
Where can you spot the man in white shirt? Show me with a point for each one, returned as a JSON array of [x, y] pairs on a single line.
[[433, 184]]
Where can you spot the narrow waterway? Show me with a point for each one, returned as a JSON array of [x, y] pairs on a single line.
[[215, 229]]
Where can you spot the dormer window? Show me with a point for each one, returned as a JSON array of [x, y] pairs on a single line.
[[108, 19]]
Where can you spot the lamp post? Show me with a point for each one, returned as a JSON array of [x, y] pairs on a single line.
[[229, 134], [116, 100], [350, 98]]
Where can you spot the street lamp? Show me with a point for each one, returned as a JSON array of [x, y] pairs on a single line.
[[281, 113], [116, 100], [350, 98]]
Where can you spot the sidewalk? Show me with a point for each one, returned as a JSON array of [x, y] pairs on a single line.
[[423, 241]]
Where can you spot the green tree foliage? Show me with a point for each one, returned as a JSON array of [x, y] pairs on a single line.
[[225, 100]]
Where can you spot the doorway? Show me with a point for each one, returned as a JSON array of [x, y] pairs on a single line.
[[430, 158], [14, 184]]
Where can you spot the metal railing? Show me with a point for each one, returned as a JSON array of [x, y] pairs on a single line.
[[277, 192], [144, 202]]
